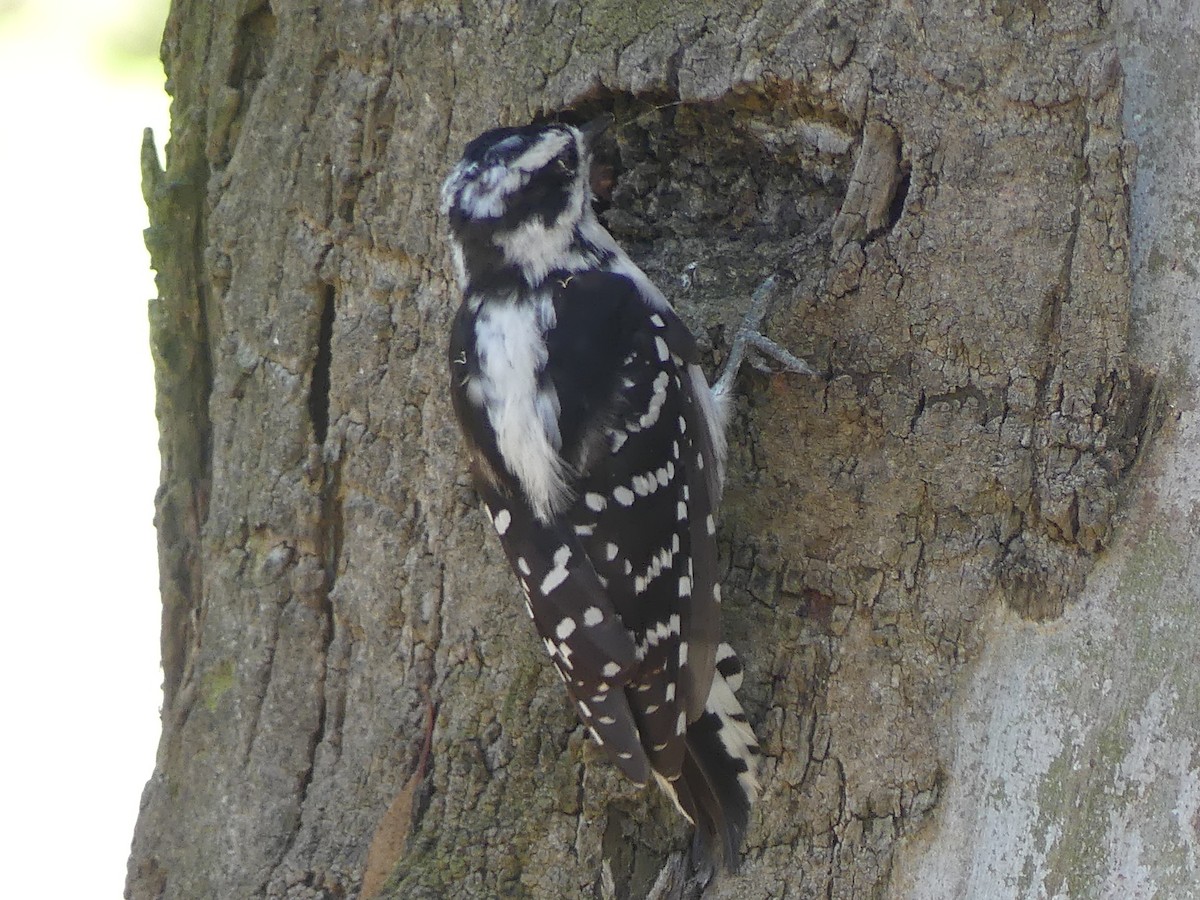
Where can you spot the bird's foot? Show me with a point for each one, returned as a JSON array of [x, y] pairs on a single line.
[[748, 336]]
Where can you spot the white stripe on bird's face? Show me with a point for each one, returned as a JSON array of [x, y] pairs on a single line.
[[548, 145], [537, 248], [480, 188]]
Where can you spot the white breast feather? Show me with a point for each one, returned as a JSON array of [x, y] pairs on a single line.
[[510, 340]]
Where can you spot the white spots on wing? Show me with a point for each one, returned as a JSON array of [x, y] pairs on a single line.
[[675, 449], [595, 502], [565, 628], [618, 439], [661, 347], [685, 586], [593, 616], [610, 552], [502, 520], [625, 755], [657, 399], [656, 565], [657, 321], [553, 579], [709, 524], [681, 511], [652, 708], [595, 736], [585, 530], [717, 593], [675, 543], [681, 723], [528, 608], [583, 708], [659, 563], [607, 720], [657, 634], [523, 565], [665, 474], [644, 484], [682, 425], [686, 493], [670, 692], [700, 461], [628, 567], [558, 574], [683, 653], [610, 669], [564, 653]]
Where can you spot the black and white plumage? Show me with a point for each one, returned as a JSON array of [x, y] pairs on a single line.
[[598, 449]]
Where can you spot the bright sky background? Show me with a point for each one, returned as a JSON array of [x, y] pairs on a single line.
[[80, 662]]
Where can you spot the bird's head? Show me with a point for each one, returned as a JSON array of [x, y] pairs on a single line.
[[522, 193]]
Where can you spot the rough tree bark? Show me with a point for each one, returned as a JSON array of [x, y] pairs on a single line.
[[354, 703]]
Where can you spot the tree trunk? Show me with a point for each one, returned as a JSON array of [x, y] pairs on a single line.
[[355, 703]]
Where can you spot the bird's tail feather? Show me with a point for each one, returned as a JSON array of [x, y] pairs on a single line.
[[718, 783]]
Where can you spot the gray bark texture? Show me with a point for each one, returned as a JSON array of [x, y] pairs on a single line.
[[961, 565]]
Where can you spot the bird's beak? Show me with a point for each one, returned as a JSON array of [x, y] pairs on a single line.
[[593, 129]]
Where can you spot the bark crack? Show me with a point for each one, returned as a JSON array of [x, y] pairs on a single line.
[[318, 394]]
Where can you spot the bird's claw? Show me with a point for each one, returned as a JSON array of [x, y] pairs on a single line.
[[748, 335]]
